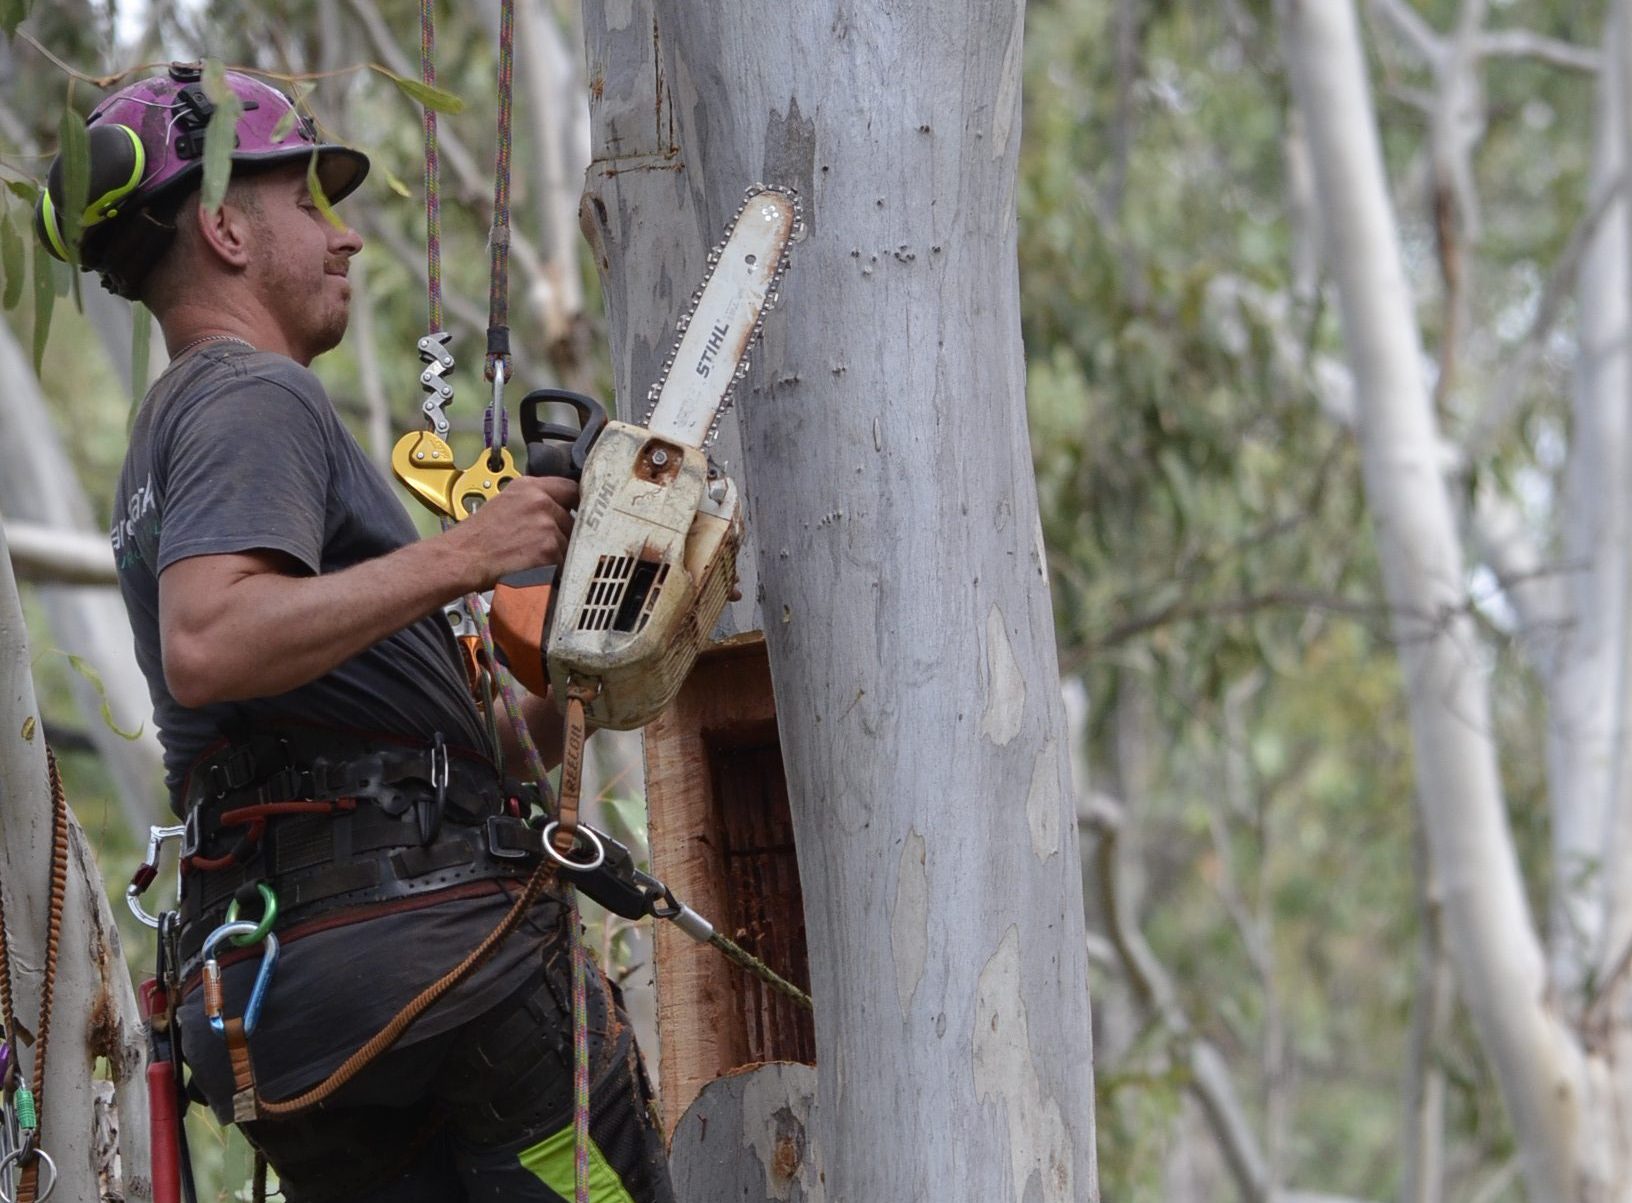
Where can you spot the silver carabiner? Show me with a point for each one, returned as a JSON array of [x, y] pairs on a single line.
[[157, 837]]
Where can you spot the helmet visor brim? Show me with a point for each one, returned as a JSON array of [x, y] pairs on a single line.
[[340, 169]]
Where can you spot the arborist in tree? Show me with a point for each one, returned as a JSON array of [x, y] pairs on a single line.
[[348, 838]]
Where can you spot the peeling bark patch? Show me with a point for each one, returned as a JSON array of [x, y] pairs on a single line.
[[1043, 802], [774, 1122], [909, 920], [790, 158], [1039, 1141], [28, 729], [1005, 686]]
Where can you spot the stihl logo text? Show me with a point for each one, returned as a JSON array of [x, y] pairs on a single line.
[[716, 340]]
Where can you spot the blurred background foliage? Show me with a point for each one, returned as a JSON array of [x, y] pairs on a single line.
[[1214, 578]]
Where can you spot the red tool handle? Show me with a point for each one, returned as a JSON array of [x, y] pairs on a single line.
[[165, 1129]]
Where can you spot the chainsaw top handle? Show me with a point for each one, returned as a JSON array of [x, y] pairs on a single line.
[[554, 449]]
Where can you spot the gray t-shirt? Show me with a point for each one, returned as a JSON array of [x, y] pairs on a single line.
[[236, 450]]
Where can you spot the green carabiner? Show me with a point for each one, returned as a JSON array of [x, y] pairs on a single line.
[[269, 916]]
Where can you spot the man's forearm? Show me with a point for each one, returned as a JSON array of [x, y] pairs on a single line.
[[264, 633]]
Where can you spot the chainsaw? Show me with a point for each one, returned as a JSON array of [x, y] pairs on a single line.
[[652, 559]]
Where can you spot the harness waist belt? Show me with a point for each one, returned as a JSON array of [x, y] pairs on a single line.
[[373, 834], [502, 848]]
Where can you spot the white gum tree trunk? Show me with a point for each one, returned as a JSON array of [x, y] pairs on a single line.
[[901, 573], [1557, 1097], [1587, 715], [95, 1012]]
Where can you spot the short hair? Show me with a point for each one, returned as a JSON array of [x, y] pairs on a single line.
[[174, 223]]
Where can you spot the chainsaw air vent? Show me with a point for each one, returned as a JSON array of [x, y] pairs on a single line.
[[622, 594]]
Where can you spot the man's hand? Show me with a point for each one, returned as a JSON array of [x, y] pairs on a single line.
[[526, 526]]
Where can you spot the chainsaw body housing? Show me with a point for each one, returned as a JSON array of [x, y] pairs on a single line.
[[650, 566]]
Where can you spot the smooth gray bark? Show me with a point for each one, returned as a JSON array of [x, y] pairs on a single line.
[[95, 1012], [901, 568]]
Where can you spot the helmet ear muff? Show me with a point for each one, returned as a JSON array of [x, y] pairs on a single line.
[[117, 163]]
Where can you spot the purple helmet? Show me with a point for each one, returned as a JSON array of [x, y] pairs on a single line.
[[147, 155]]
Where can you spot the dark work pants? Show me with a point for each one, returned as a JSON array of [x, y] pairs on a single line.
[[484, 1112]]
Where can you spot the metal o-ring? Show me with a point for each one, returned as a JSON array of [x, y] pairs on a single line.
[[587, 833], [269, 916], [15, 1158]]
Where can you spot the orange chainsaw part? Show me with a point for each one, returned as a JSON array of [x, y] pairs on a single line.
[[518, 618]]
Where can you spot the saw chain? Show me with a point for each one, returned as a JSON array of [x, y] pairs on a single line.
[[724, 318]]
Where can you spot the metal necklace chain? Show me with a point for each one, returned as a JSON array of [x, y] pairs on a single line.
[[209, 338]]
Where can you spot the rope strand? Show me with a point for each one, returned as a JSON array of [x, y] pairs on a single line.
[[498, 297], [28, 1180], [433, 169]]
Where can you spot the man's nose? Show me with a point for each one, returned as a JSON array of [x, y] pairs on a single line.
[[347, 242]]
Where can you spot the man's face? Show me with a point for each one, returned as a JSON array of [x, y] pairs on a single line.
[[300, 262]]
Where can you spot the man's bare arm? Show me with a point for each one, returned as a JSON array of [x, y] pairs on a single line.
[[251, 625]]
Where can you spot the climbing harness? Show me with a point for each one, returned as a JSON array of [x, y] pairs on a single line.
[[27, 1172]]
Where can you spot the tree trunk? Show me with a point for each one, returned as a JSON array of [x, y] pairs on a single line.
[[1497, 955], [40, 486], [900, 558], [95, 1013]]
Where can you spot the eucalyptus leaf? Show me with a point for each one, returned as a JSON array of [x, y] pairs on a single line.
[[220, 136], [13, 261], [434, 98], [45, 298], [24, 190], [74, 152], [393, 182], [141, 352], [84, 669], [285, 125], [319, 197]]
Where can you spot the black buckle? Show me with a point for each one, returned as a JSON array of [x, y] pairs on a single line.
[[428, 812], [233, 773], [512, 839], [190, 837]]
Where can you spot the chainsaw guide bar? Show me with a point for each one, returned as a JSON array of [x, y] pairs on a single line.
[[727, 312]]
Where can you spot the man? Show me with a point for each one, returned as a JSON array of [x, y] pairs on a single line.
[[318, 729]]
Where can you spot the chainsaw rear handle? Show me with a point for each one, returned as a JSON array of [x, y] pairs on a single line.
[[554, 449]]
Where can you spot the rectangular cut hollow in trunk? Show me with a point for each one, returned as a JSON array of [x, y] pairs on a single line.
[[722, 838]]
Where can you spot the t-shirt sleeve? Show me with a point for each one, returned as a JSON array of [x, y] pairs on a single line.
[[245, 469]]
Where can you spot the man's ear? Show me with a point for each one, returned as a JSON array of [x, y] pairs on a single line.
[[225, 233]]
